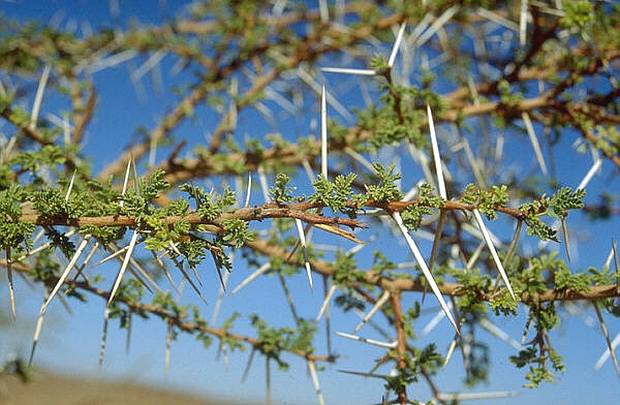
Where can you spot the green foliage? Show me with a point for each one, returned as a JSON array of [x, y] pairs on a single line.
[[474, 285], [539, 353], [379, 64], [51, 202], [507, 94], [333, 194], [487, 201], [33, 161], [13, 232], [164, 300], [502, 303], [565, 280], [405, 376], [345, 270], [386, 190], [236, 232], [94, 199], [137, 202], [281, 192], [273, 341], [566, 199], [557, 206], [226, 341], [162, 232], [400, 115], [425, 203], [210, 205], [577, 14], [381, 264], [409, 318]]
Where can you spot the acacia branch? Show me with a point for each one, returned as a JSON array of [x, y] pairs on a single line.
[[175, 318], [451, 289]]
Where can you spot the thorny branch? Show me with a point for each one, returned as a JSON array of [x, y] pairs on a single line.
[[566, 51]]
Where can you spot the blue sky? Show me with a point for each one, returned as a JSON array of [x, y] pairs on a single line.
[[70, 344]]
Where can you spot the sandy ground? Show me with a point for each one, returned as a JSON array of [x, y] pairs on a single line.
[[48, 389]]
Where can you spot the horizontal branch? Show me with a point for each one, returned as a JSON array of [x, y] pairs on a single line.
[[268, 211], [174, 318], [450, 289]]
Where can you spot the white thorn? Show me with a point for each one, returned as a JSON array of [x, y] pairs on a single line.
[[289, 298], [104, 336], [323, 11], [364, 374], [262, 179], [605, 331], [113, 255], [89, 256], [119, 277], [497, 19], [37, 334], [378, 343], [373, 310], [128, 338], [450, 351], [437, 157], [38, 98], [262, 269], [499, 333], [220, 297], [302, 240], [434, 321], [396, 46], [349, 71], [248, 365], [179, 265], [472, 396], [566, 238], [112, 61], [315, 382], [147, 66], [427, 273], [586, 179], [328, 297], [323, 134], [126, 179], [65, 273], [42, 247], [309, 80], [308, 170], [152, 152], [606, 354], [267, 380], [136, 178], [9, 274], [144, 274], [359, 158], [38, 236], [168, 349], [249, 190], [70, 188], [436, 25], [489, 242], [534, 141], [474, 257], [523, 23]]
